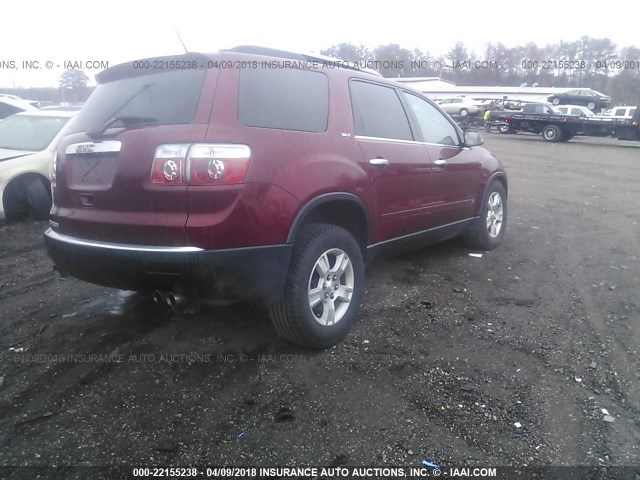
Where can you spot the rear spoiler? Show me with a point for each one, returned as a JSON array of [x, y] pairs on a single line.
[[154, 65]]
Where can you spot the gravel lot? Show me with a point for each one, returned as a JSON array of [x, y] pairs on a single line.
[[507, 359]]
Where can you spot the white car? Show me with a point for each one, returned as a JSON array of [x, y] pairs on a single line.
[[15, 97], [578, 110], [10, 106], [459, 106], [27, 147]]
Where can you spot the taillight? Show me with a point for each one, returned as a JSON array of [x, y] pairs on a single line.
[[200, 164], [169, 164], [217, 164]]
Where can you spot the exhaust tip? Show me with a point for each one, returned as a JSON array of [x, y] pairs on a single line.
[[170, 299], [157, 297]]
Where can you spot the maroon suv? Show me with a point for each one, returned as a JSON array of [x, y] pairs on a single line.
[[263, 174]]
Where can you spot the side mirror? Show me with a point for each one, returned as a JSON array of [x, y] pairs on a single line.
[[472, 138]]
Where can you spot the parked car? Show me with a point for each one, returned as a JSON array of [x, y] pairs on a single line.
[[623, 111], [591, 99], [578, 110], [27, 148], [34, 103], [256, 183], [10, 106], [459, 106]]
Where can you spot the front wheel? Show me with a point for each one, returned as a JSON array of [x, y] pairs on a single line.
[[556, 101], [464, 112], [488, 231], [504, 129], [591, 106], [324, 288]]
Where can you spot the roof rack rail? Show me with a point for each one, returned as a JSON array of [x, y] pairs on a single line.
[[273, 52]]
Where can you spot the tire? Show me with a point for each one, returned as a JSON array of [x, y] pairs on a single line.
[[15, 203], [38, 197], [488, 231], [316, 253], [556, 101], [552, 133], [504, 129], [464, 112], [591, 106]]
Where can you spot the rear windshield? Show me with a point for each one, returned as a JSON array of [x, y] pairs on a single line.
[[31, 133], [169, 97]]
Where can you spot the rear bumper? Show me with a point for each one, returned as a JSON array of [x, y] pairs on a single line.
[[242, 273]]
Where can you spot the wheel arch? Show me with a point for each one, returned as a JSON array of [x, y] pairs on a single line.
[[498, 176], [12, 184], [352, 215]]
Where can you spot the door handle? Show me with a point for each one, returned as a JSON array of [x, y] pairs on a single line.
[[379, 162], [440, 162]]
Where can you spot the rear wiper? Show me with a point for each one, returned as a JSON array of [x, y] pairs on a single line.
[[126, 121], [114, 116]]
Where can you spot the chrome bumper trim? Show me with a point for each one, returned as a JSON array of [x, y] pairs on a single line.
[[118, 246]]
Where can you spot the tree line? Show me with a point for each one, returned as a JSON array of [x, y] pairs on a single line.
[[595, 63]]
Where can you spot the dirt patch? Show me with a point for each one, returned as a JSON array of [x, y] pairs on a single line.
[[507, 359]]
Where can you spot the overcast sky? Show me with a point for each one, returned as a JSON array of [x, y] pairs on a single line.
[[116, 31]]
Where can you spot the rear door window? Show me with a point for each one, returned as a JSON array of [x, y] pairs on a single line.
[[378, 112], [284, 98]]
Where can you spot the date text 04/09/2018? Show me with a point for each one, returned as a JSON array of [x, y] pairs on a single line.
[[308, 472]]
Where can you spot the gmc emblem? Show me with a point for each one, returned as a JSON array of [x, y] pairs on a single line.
[[85, 148]]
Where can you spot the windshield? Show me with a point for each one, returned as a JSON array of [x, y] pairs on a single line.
[[29, 132], [170, 97]]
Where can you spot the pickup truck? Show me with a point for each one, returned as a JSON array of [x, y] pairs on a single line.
[[540, 118], [629, 129]]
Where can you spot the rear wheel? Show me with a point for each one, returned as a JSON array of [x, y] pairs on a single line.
[[464, 112], [591, 106], [488, 231], [324, 288], [556, 101], [552, 133]]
